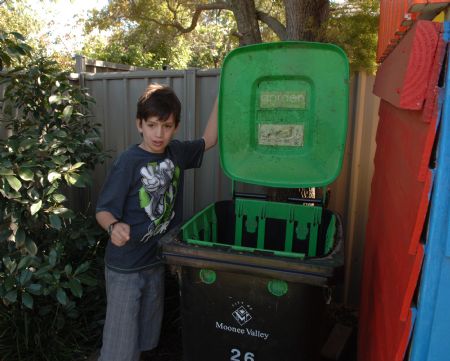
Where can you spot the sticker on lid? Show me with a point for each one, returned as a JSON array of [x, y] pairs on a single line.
[[281, 134], [282, 99]]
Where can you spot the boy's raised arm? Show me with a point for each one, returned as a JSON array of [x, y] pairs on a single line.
[[210, 133]]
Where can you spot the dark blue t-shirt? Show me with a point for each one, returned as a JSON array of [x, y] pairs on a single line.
[[145, 190]]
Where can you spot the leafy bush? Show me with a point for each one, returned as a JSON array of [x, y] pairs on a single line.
[[50, 301]]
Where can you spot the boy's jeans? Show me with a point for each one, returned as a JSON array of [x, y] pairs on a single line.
[[135, 304]]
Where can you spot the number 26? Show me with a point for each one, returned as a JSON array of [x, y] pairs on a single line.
[[235, 355]]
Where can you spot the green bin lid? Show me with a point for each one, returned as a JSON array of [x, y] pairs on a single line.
[[283, 111]]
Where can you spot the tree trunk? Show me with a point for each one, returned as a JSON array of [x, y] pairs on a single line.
[[305, 19], [245, 14]]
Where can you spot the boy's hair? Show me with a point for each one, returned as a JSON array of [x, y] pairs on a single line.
[[158, 101]]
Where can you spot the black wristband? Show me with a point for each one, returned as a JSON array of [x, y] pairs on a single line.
[[111, 226]]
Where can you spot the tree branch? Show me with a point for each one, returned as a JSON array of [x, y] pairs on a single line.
[[172, 10], [236, 33], [273, 23], [219, 5]]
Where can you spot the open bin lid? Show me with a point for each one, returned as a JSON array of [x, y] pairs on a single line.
[[283, 111]]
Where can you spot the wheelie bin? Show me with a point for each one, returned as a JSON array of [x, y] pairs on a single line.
[[255, 275]]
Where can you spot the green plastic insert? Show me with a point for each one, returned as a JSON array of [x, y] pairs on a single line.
[[300, 222], [283, 110]]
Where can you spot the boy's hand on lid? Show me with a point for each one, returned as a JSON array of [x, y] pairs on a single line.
[[120, 234]]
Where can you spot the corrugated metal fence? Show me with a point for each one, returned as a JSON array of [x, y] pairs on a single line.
[[116, 95]]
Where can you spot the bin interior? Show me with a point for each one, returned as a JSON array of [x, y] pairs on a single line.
[[283, 229]]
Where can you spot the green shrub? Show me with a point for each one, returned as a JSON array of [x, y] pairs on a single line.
[[51, 304]]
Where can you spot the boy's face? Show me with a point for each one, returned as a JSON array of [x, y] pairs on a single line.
[[156, 134]]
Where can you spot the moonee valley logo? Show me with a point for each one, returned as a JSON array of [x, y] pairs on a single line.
[[242, 317]]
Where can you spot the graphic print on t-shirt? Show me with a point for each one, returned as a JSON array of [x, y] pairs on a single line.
[[157, 195]]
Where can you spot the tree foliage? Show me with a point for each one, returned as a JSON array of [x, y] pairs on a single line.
[[17, 16], [354, 27], [138, 36], [184, 33], [48, 290]]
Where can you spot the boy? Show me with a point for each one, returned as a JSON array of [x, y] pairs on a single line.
[[140, 200]]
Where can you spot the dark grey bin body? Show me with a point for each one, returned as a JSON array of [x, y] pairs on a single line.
[[236, 317]]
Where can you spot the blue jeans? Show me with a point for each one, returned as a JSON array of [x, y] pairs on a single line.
[[135, 305]]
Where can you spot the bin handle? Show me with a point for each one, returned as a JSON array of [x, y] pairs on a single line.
[[305, 200], [249, 195]]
